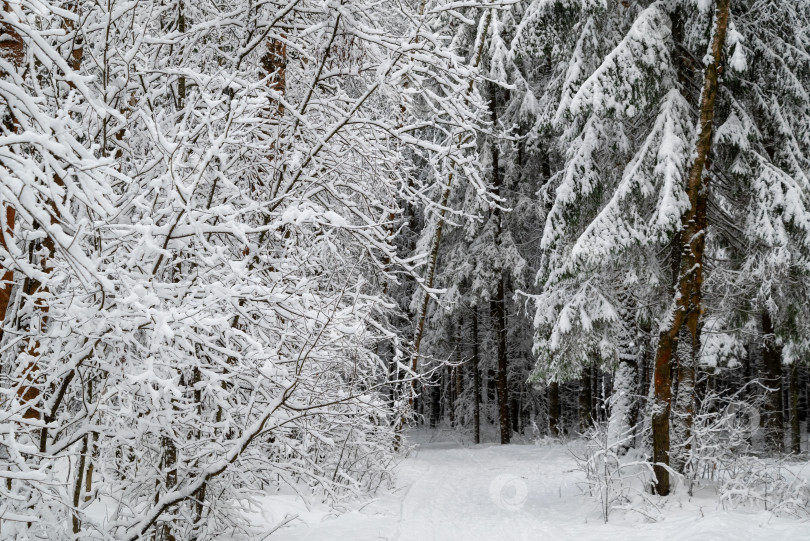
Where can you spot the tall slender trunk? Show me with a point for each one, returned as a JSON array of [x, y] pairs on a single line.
[[772, 419], [594, 396], [624, 400], [77, 486], [170, 467], [554, 409], [501, 384], [491, 393], [476, 379], [435, 400], [456, 376], [6, 275], [688, 302], [92, 451], [795, 432], [459, 369], [498, 303], [449, 396], [585, 399], [622, 404]]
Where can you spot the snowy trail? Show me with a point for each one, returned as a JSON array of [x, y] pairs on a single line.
[[483, 493], [451, 492]]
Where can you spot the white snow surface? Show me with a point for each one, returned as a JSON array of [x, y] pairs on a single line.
[[449, 490]]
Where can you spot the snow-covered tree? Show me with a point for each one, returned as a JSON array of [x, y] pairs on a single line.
[[629, 207], [201, 198]]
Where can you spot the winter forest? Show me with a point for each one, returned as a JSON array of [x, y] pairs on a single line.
[[302, 269]]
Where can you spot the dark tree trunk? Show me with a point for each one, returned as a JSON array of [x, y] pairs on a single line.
[[435, 401], [554, 409], [491, 394], [772, 419], [476, 379], [459, 378], [458, 371], [498, 304], [435, 398], [594, 394], [77, 486], [450, 398], [501, 383], [585, 401], [170, 464], [795, 433]]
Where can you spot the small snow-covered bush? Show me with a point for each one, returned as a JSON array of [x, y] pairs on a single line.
[[719, 453], [616, 478], [749, 480], [721, 429]]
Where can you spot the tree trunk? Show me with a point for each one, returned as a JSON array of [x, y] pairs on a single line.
[[459, 368], [77, 486], [491, 393], [93, 450], [501, 384], [458, 372], [37, 292], [274, 64], [772, 419], [684, 402], [594, 380], [624, 400], [585, 400], [450, 396], [688, 302], [12, 49], [170, 465], [435, 401], [6, 275], [554, 409], [795, 432], [498, 303], [476, 379]]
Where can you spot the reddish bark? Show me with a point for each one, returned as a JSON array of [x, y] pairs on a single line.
[[688, 297]]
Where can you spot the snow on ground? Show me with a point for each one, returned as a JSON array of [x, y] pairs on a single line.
[[448, 491]]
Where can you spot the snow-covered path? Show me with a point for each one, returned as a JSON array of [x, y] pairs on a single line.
[[452, 492], [483, 493]]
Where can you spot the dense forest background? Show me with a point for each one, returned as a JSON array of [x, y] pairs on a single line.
[[249, 244]]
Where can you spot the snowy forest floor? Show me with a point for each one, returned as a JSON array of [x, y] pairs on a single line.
[[448, 490]]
